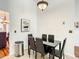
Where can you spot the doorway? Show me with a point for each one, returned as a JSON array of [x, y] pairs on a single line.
[[4, 33]]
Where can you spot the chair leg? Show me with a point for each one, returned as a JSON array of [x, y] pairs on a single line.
[[43, 56], [29, 52], [63, 56], [33, 51], [49, 56], [35, 55]]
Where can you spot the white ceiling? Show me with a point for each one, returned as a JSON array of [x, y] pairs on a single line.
[[54, 3]]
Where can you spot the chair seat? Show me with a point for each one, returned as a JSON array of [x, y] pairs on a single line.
[[57, 53]]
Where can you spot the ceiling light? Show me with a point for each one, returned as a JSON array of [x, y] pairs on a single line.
[[42, 5]]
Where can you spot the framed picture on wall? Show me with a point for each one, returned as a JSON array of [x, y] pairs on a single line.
[[25, 25]]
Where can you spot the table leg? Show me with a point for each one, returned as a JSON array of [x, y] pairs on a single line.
[[59, 46], [53, 53], [49, 55]]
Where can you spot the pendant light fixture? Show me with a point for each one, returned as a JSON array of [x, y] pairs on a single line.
[[42, 5]]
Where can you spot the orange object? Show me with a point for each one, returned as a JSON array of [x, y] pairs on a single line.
[[4, 52]]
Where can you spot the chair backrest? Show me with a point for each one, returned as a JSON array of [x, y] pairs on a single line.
[[63, 46], [39, 46], [44, 37], [2, 40], [51, 38], [32, 43], [30, 35]]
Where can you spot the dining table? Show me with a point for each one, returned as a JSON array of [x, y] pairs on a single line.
[[51, 44]]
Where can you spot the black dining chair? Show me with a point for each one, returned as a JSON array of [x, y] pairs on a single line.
[[40, 48], [44, 37], [51, 38], [60, 53], [29, 35], [32, 45]]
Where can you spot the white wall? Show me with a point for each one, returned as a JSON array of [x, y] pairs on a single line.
[[4, 5], [50, 22], [77, 19], [21, 9]]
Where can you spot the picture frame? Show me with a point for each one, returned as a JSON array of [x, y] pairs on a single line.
[[25, 25]]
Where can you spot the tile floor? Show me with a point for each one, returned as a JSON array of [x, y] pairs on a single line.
[[26, 56]]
